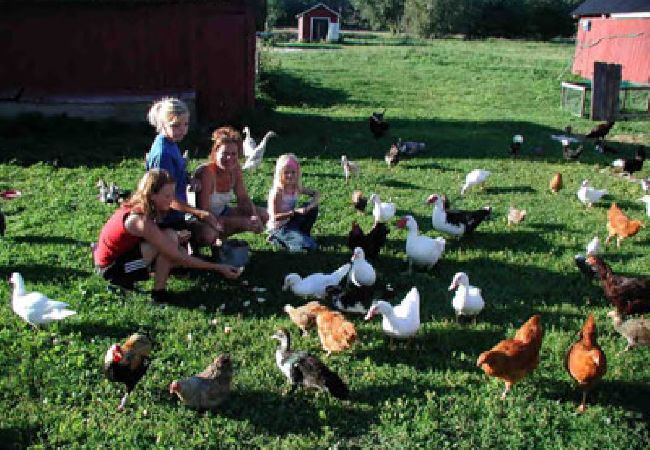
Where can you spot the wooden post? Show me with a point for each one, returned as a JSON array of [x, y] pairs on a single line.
[[605, 91]]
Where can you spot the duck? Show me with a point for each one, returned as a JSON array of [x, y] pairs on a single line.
[[401, 321], [361, 273], [314, 285], [381, 211], [34, 307], [410, 148], [420, 250], [476, 177], [301, 368], [468, 300], [255, 154], [359, 201], [589, 195], [646, 199], [455, 222]]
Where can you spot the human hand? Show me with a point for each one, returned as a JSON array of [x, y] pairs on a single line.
[[256, 224], [229, 272]]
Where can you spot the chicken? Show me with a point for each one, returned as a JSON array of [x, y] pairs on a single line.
[[255, 155], [556, 183], [629, 295], [516, 215], [585, 360], [629, 166], [372, 242], [350, 168], [513, 359], [619, 225], [304, 316], [335, 333], [208, 389], [636, 331], [589, 195], [515, 145], [359, 201], [600, 131], [392, 156], [571, 154], [299, 367], [128, 363], [377, 124]]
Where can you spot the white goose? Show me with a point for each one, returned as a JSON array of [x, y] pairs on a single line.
[[589, 195], [420, 250], [468, 300], [254, 153], [401, 321], [475, 178], [314, 285], [361, 273], [34, 307], [381, 211]]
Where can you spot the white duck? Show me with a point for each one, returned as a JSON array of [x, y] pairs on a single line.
[[475, 178], [588, 195], [401, 321], [455, 222], [361, 273], [646, 200], [314, 285], [381, 211], [420, 250], [255, 153], [468, 300], [34, 307]]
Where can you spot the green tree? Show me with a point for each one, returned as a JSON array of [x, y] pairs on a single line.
[[380, 14]]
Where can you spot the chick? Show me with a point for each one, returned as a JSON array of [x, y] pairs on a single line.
[[335, 333], [556, 183], [516, 215], [359, 201], [304, 316], [636, 331]]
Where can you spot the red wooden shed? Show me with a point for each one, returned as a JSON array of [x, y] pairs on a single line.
[[314, 23], [107, 49], [614, 31]]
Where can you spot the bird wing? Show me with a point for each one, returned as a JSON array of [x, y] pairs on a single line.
[[38, 301]]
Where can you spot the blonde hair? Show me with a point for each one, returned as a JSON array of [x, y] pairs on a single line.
[[222, 136], [151, 183], [287, 159], [166, 111]]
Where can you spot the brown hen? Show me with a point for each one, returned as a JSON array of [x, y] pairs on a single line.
[[336, 334], [304, 316], [513, 359], [619, 225], [585, 361]]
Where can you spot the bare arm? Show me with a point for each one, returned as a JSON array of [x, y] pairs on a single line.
[[315, 200], [140, 226], [274, 206], [243, 200]]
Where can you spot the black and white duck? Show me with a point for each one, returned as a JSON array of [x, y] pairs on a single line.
[[302, 368]]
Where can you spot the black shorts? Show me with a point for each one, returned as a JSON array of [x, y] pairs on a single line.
[[126, 269]]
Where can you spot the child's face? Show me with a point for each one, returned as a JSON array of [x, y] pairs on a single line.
[[163, 198], [289, 175], [227, 155], [176, 129]]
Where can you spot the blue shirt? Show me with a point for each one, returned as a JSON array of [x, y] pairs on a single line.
[[165, 154]]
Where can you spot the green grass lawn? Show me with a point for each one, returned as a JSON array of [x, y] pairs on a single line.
[[465, 100]]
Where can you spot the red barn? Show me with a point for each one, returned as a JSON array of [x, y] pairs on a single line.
[[314, 23], [121, 49], [616, 32]]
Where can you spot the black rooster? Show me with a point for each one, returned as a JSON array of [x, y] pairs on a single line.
[[378, 126], [372, 242], [600, 131], [631, 165], [128, 363]]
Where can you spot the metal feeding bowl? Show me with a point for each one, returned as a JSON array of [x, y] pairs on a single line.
[[234, 252]]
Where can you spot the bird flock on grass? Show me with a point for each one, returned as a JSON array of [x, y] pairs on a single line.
[[351, 288]]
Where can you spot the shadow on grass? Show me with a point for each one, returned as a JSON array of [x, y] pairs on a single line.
[[12, 437], [43, 274], [48, 240], [92, 328], [510, 190]]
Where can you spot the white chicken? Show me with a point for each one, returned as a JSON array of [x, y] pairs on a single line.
[[350, 168], [361, 273], [468, 300], [476, 177], [589, 195], [646, 199], [34, 307], [314, 285], [401, 321], [420, 250], [254, 153], [381, 211]]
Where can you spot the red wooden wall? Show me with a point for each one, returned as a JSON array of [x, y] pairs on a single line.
[[304, 22], [619, 41], [104, 48]]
